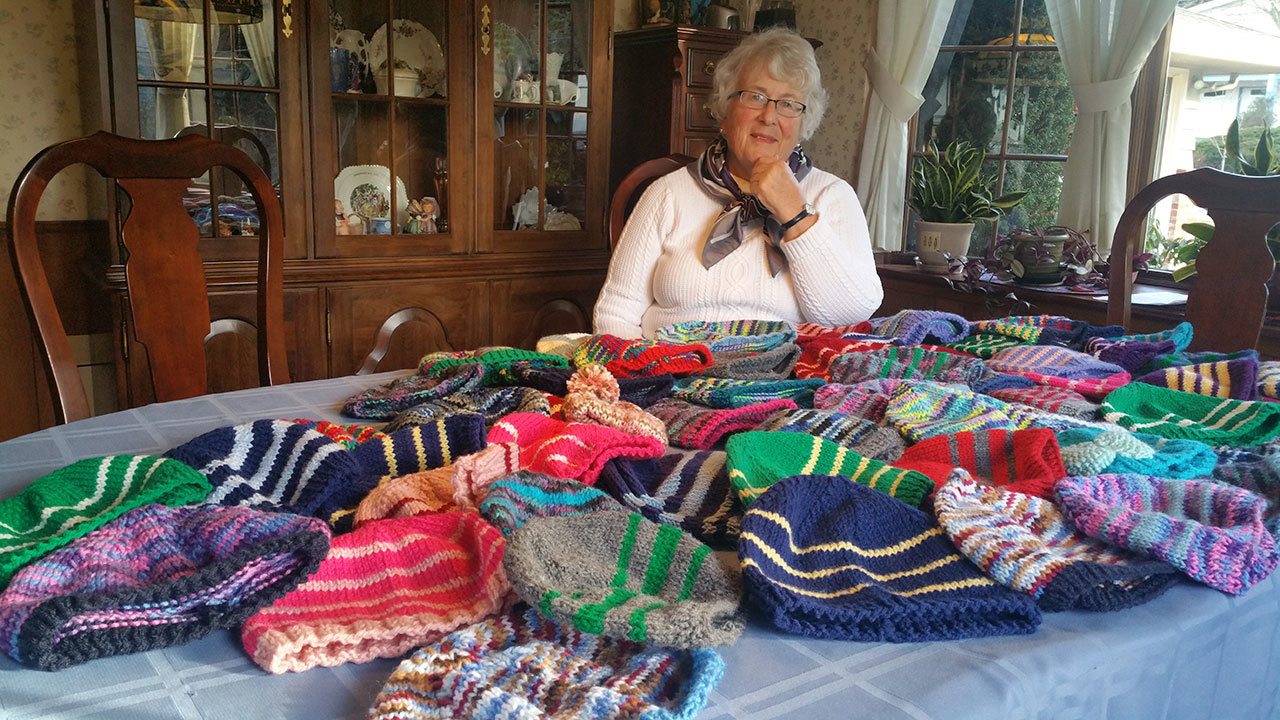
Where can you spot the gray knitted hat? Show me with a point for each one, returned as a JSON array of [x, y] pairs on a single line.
[[619, 575], [747, 365], [855, 433]]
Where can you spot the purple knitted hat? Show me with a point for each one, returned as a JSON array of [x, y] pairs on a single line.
[[686, 488], [383, 402], [1211, 532], [1131, 355], [1237, 378], [1025, 543], [155, 577], [698, 427], [1051, 360], [915, 327]]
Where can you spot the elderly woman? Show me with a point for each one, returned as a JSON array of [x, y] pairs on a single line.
[[751, 230]]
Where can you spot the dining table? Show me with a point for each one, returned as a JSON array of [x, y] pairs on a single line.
[[1193, 652]]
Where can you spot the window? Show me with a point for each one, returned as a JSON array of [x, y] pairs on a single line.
[[1000, 84]]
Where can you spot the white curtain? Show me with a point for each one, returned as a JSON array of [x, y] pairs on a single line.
[[260, 40], [1104, 44], [908, 34], [172, 46]]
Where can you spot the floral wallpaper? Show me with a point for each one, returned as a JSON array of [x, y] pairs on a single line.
[[39, 100], [837, 144]]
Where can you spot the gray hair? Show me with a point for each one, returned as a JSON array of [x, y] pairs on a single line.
[[786, 56]]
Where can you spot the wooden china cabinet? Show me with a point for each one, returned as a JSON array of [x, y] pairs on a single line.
[[442, 166]]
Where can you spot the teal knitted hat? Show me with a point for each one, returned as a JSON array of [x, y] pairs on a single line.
[[81, 497], [525, 495], [729, 393], [619, 575], [1176, 414]]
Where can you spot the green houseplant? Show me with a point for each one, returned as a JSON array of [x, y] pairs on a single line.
[[950, 193]]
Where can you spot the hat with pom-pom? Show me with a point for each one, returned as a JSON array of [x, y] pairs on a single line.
[[1026, 543], [1026, 461], [857, 434], [155, 577], [689, 489], [828, 558], [522, 496], [619, 575], [382, 590], [570, 450], [1211, 532], [698, 427], [643, 391], [593, 397], [1095, 451]]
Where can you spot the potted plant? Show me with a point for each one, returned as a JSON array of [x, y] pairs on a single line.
[[950, 193], [1044, 256]]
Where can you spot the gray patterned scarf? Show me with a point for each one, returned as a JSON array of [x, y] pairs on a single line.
[[741, 211]]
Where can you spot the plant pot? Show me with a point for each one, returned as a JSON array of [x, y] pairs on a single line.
[[935, 242], [1041, 259]]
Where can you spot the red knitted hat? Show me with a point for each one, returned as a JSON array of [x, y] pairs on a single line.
[[384, 589], [1025, 461], [629, 358], [818, 352], [570, 450]]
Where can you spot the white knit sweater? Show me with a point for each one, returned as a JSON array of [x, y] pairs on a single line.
[[656, 275]]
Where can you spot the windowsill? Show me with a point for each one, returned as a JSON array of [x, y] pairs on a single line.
[[1143, 294]]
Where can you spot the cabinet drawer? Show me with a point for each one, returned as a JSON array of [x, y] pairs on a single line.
[[697, 117], [702, 66], [695, 144]]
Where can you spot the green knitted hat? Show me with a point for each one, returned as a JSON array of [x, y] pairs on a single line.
[[619, 575], [759, 459], [1175, 414], [66, 504]]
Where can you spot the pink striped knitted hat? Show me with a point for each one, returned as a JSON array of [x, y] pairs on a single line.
[[569, 450], [697, 427], [384, 589], [1060, 367]]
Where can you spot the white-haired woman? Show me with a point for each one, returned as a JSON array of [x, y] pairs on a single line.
[[751, 230]]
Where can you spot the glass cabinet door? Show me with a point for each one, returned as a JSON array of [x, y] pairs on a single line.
[[540, 157], [388, 135]]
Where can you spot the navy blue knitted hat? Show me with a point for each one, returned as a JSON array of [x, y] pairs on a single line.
[[825, 557], [686, 488], [643, 391]]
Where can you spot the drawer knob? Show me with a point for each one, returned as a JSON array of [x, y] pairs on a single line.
[[709, 68]]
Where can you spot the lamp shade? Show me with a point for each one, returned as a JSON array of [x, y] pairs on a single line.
[[225, 12]]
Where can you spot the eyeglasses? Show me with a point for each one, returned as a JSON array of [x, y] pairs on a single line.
[[757, 101]]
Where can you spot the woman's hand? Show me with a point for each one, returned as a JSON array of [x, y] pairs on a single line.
[[773, 183]]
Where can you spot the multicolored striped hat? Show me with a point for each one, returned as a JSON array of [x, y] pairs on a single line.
[[496, 362], [1051, 399], [775, 364], [1211, 532], [619, 575], [757, 460], [1097, 451], [384, 401], [867, 400], [523, 496], [728, 335], [1025, 543], [1026, 461], [272, 465], [984, 344], [689, 489], [1180, 335], [348, 435], [1257, 470], [906, 363], [574, 451], [531, 667], [914, 327], [155, 577], [1060, 362], [629, 358], [857, 434], [828, 558], [921, 410], [730, 393], [489, 402], [698, 427], [383, 589], [69, 502], [1175, 414], [817, 354], [1236, 378]]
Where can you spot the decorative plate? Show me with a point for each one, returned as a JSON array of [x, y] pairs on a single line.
[[512, 56], [416, 48], [366, 191]]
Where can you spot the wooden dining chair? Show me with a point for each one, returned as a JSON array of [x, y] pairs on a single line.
[[165, 283], [633, 185], [1228, 301]]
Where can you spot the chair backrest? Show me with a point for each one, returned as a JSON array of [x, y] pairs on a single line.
[[1228, 300], [164, 276], [633, 185], [232, 135]]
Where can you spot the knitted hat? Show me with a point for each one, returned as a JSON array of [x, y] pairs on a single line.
[[490, 402], [619, 575], [627, 358], [496, 362], [643, 391], [866, 400], [1236, 379], [921, 410], [992, 381], [1211, 532], [1176, 414], [1077, 334], [689, 489], [152, 578], [1269, 379], [272, 465], [861, 436], [574, 451], [417, 493], [757, 460], [1026, 328], [523, 496], [1131, 355], [913, 327], [698, 427], [386, 588], [827, 558], [775, 364], [1026, 461], [728, 335], [348, 435], [474, 473], [383, 402], [564, 345], [1025, 543], [423, 447], [1094, 451], [686, 488], [906, 363], [729, 393], [1089, 387], [521, 665], [1052, 399], [1179, 335], [593, 397], [985, 344], [1257, 470], [1059, 362], [812, 330], [818, 353], [67, 503]]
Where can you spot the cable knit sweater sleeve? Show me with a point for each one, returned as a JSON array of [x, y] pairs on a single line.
[[628, 289]]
